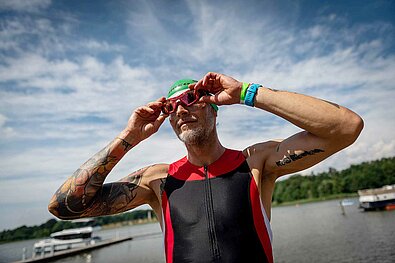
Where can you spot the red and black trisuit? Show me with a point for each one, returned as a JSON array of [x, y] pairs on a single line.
[[214, 213]]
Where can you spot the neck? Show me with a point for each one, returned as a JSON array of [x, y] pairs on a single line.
[[205, 154]]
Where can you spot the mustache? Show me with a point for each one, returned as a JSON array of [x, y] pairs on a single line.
[[185, 120]]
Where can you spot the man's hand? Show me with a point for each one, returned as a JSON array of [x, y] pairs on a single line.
[[226, 90], [144, 121]]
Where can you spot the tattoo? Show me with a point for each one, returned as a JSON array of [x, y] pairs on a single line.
[[127, 146], [116, 197], [162, 185], [331, 103], [294, 157], [275, 90], [278, 148], [78, 192]]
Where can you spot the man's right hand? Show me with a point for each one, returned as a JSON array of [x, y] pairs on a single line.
[[144, 122]]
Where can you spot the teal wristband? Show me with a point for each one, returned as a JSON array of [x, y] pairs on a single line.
[[250, 94], [243, 92]]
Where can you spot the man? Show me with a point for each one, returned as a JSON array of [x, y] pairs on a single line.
[[214, 204]]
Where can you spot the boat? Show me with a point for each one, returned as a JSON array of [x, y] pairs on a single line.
[[378, 198], [346, 202], [68, 239]]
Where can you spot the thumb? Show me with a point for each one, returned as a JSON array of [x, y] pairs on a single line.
[[211, 99], [159, 121]]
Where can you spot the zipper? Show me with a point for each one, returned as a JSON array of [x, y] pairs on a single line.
[[210, 216]]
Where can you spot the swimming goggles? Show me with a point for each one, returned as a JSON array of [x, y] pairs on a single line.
[[186, 99]]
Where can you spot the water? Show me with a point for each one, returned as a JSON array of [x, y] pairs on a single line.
[[318, 232], [315, 232]]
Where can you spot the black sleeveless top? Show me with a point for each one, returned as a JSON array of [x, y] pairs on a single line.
[[214, 213]]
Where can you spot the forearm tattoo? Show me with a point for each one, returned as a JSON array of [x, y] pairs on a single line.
[[115, 197], [294, 157], [79, 192], [127, 146]]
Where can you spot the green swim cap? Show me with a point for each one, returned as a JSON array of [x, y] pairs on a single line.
[[180, 86]]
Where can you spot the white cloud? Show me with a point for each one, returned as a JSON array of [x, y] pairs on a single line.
[[25, 5], [5, 131], [64, 96]]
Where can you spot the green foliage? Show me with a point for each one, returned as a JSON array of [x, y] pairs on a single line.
[[53, 225], [362, 176]]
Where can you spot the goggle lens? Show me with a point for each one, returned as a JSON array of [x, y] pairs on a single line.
[[187, 99]]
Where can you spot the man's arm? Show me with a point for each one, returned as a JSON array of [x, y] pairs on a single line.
[[85, 194], [327, 127]]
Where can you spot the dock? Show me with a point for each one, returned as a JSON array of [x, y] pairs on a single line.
[[74, 251]]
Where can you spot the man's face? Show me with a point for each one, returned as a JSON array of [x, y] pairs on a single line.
[[193, 124]]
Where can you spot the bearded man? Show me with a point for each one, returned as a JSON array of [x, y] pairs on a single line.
[[214, 204]]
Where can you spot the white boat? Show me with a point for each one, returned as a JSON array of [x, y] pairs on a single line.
[[378, 198], [67, 239], [346, 202]]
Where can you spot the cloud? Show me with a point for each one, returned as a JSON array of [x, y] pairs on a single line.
[[64, 95], [28, 6], [5, 131]]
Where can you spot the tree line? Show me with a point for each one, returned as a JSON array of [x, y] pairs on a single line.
[[324, 185], [53, 225]]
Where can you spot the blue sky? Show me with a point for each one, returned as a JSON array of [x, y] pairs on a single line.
[[71, 72]]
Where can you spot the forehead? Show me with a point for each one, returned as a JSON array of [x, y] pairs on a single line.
[[177, 93]]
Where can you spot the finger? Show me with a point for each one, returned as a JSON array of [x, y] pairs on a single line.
[[211, 99], [161, 99], [159, 121], [154, 105], [145, 109], [192, 86], [157, 104], [198, 85], [208, 76]]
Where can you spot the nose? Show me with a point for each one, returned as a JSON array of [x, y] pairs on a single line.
[[181, 110]]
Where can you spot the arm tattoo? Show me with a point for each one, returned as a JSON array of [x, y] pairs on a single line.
[[127, 146], [294, 157], [115, 197], [331, 103], [278, 147], [274, 90], [78, 192], [162, 185]]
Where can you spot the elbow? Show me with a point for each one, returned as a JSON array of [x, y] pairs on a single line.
[[53, 211], [57, 209], [53, 208], [352, 129]]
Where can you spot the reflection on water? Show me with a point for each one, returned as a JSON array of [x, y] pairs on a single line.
[[316, 232]]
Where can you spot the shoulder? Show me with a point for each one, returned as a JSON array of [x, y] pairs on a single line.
[[257, 154], [146, 175], [261, 150], [156, 171]]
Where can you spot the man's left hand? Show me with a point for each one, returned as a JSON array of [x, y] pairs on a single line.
[[226, 89]]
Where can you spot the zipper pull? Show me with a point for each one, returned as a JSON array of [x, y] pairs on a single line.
[[206, 171]]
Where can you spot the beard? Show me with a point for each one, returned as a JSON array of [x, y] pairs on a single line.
[[199, 135]]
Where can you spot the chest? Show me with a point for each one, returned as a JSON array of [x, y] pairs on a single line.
[[222, 199]]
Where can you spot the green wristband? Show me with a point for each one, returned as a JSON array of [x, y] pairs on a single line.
[[243, 91]]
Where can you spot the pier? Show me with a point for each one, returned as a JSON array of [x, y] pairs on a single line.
[[74, 251]]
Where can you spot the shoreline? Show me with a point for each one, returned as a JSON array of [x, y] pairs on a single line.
[[313, 200], [154, 220]]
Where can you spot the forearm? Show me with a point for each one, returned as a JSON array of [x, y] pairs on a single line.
[[321, 118], [76, 195]]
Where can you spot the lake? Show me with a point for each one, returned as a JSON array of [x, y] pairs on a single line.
[[315, 232]]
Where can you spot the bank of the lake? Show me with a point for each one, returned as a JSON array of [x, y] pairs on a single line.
[[316, 232], [318, 199]]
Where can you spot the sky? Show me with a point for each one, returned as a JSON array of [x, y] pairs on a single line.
[[71, 73]]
